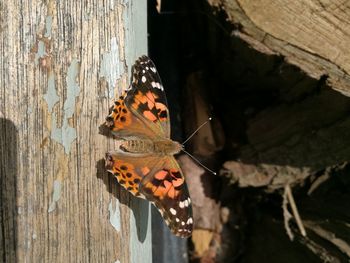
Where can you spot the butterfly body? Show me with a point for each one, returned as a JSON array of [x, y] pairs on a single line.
[[143, 161], [146, 146]]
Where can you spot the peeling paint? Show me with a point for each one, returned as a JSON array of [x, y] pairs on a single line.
[[48, 25], [51, 95], [56, 195], [72, 88], [41, 53], [29, 110], [114, 216], [64, 135], [111, 67], [67, 134]]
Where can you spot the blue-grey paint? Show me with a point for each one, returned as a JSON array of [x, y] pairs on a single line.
[[56, 195], [114, 215], [135, 21], [140, 231], [48, 25], [50, 96], [67, 134], [72, 89], [135, 18], [64, 135], [41, 52], [111, 67]]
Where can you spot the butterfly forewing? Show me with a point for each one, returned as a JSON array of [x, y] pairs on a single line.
[[124, 123], [146, 97]]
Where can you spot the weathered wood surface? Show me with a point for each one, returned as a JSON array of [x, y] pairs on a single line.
[[313, 35], [61, 64], [305, 133]]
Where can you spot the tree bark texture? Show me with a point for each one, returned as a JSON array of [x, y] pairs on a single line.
[[313, 35], [61, 64]]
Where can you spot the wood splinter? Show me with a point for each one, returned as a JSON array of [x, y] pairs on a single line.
[[288, 198]]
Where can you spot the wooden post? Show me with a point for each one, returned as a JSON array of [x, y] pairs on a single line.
[[61, 64]]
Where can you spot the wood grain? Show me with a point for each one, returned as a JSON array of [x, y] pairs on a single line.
[[61, 64], [313, 35]]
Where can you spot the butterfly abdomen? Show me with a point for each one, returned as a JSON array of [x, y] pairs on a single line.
[[137, 146], [159, 147]]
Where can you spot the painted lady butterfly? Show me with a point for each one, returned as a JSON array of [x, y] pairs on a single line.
[[144, 162]]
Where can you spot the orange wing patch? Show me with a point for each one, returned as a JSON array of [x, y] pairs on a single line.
[[149, 107], [167, 189], [119, 116], [166, 184], [125, 174]]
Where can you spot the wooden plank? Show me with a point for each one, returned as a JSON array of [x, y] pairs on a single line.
[[62, 63]]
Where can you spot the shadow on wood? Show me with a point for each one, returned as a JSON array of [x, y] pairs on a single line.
[[8, 188], [138, 206]]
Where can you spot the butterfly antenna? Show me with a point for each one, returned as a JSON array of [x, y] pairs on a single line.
[[197, 161], [200, 127]]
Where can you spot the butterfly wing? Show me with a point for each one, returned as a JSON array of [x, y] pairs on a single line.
[[159, 180], [142, 111], [167, 189], [129, 169], [146, 97], [124, 123]]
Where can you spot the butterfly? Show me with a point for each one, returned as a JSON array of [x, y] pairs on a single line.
[[144, 162]]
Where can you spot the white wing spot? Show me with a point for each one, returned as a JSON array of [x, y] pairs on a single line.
[[143, 79], [190, 221], [147, 68], [156, 85], [172, 211], [153, 69], [183, 223], [186, 203], [181, 204], [177, 220]]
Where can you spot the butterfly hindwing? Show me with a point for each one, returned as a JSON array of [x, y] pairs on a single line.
[[159, 180], [166, 188]]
